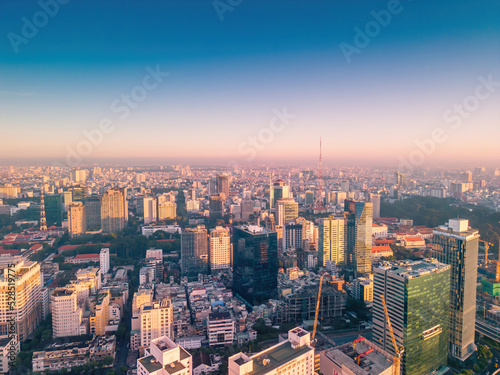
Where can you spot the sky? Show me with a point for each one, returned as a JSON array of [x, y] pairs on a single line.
[[244, 81]]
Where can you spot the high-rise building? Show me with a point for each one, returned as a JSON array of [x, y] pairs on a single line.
[[53, 209], [220, 249], [247, 209], [286, 210], [290, 357], [165, 357], [104, 263], [194, 252], [331, 242], [78, 193], [358, 238], [167, 210], [255, 263], [417, 300], [156, 320], [114, 210], [150, 209], [93, 212], [66, 315], [309, 198], [375, 200], [77, 222], [456, 244], [292, 235], [279, 189], [99, 315], [222, 183], [24, 280], [216, 205]]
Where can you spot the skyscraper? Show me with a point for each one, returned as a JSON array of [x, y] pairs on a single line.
[[167, 210], [114, 210], [279, 189], [375, 200], [222, 184], [220, 249], [104, 261], [255, 258], [150, 209], [93, 212], [216, 206], [331, 246], [358, 240], [27, 308], [66, 315], [286, 210], [77, 222], [194, 252], [417, 299], [292, 235], [456, 244]]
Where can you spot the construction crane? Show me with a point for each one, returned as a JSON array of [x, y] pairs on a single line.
[[317, 309], [356, 341], [358, 357], [316, 314], [397, 351], [486, 248]]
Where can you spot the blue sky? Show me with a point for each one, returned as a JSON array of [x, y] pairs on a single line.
[[227, 77]]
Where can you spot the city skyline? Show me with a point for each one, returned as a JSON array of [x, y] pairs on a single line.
[[286, 82]]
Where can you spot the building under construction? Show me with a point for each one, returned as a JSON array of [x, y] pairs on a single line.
[[360, 357], [302, 304]]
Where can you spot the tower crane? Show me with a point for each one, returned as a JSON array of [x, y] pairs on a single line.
[[397, 351], [316, 314], [486, 248]]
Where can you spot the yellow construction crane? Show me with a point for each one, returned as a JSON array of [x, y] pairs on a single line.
[[397, 351], [316, 314], [317, 309], [486, 248]]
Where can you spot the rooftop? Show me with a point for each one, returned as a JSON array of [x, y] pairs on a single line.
[[411, 269], [276, 356]]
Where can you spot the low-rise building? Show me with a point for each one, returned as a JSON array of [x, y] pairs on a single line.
[[164, 357], [220, 329]]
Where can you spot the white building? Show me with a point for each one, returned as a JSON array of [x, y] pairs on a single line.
[[220, 248], [154, 253], [155, 321], [66, 315], [104, 261], [150, 210], [294, 356], [165, 357], [220, 329]]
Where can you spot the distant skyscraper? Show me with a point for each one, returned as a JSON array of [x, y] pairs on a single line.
[[167, 210], [66, 315], [309, 198], [77, 222], [399, 179], [216, 206], [53, 209], [104, 263], [114, 210], [93, 212], [331, 242], [255, 259], [194, 252], [247, 209], [375, 200], [417, 299], [457, 245], [359, 219], [220, 249], [150, 209], [222, 183], [292, 235], [279, 189], [286, 210]]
